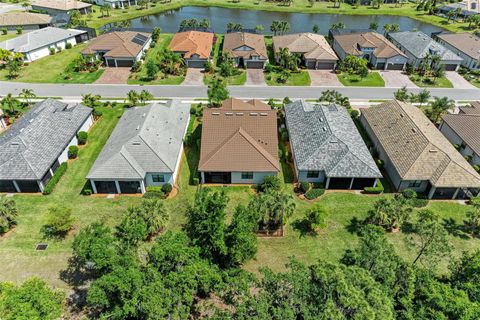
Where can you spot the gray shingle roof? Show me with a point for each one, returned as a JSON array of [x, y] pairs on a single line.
[[36, 140], [419, 45], [146, 139], [39, 39], [324, 138]]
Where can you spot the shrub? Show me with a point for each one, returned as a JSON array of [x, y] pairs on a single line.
[[314, 193], [419, 202], [196, 181], [318, 185], [59, 221], [68, 45], [409, 194], [284, 135], [72, 152], [167, 188], [97, 113], [379, 163], [59, 49], [304, 186], [82, 137], [270, 183], [87, 192], [374, 190], [52, 51], [4, 31], [476, 168], [154, 192], [54, 180], [354, 114], [136, 66], [19, 30]]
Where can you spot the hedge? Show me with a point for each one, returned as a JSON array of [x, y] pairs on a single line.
[[314, 193], [154, 192], [167, 188], [56, 177], [82, 137], [72, 152], [374, 190], [304, 186]]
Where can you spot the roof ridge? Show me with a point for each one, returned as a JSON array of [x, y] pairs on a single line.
[[259, 148], [123, 153], [219, 147], [150, 147]]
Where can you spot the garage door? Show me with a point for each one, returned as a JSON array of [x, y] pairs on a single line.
[[196, 63], [124, 63], [325, 66], [7, 186], [395, 67], [380, 66], [255, 64], [450, 67]]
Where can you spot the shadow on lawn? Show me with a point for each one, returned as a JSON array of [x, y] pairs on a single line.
[[303, 227], [455, 229], [192, 154]]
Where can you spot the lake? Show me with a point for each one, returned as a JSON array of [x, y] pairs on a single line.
[[299, 22]]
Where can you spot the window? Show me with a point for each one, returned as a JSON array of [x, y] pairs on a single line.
[[158, 178], [247, 175], [415, 184], [313, 174]]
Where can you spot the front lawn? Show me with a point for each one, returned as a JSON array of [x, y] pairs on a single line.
[[374, 79], [236, 80], [301, 78], [424, 82], [8, 36]]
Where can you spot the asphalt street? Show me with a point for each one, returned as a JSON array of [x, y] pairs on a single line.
[[185, 91]]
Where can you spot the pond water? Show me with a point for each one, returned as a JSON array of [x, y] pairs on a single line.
[[299, 22]]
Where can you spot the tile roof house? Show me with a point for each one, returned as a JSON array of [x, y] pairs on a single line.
[[54, 7], [25, 20], [36, 44], [144, 149], [327, 147], [416, 154], [119, 48], [465, 45], [313, 48], [417, 45], [463, 129], [380, 53], [35, 145], [194, 46], [239, 143], [248, 49]]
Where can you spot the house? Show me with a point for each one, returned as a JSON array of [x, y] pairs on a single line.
[[415, 153], [463, 130], [37, 44], [465, 45], [195, 47], [239, 143], [314, 50], [25, 20], [35, 145], [145, 149], [116, 3], [417, 45], [119, 48], [54, 7], [374, 47], [327, 147], [248, 49]]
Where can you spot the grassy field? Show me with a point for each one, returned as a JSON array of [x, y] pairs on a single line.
[[51, 69], [439, 83], [372, 80], [8, 36], [301, 78]]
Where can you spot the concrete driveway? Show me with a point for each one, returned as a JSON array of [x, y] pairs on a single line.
[[114, 76], [396, 79], [324, 78], [194, 77], [458, 81], [255, 77]]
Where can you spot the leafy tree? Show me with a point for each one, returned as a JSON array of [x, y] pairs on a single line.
[[315, 28], [390, 213], [373, 26], [401, 94], [217, 92], [145, 96], [90, 100], [316, 216], [59, 221], [32, 300], [227, 66], [27, 95], [156, 34], [438, 107], [10, 102], [240, 236], [152, 68], [132, 97], [132, 229], [259, 28], [8, 214], [472, 224], [465, 274]]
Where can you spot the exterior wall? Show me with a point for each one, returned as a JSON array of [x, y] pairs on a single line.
[[45, 51], [85, 126], [338, 50], [258, 177], [169, 178], [453, 137], [421, 189], [302, 177], [468, 61]]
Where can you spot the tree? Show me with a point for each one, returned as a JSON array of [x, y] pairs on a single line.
[[13, 68], [465, 274], [337, 25], [32, 300], [132, 229], [27, 95], [472, 224], [259, 28], [390, 213], [152, 68], [438, 72], [315, 28], [217, 92], [387, 28], [333, 96], [423, 96], [373, 26], [438, 107], [90, 100], [227, 66], [430, 239], [156, 34], [401, 94], [273, 208], [10, 102], [59, 221], [132, 97], [240, 237], [8, 214], [316, 216], [145, 96]]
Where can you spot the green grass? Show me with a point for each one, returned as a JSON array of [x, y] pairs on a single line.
[[439, 82], [236, 80], [51, 69], [8, 36], [372, 80], [472, 78], [301, 78]]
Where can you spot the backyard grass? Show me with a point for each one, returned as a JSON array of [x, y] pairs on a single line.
[[8, 36], [439, 82], [51, 69], [301, 78], [372, 80]]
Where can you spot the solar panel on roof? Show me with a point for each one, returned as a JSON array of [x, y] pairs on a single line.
[[140, 39]]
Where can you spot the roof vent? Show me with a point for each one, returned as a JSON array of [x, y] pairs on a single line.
[[143, 115], [320, 119], [215, 113], [324, 128], [229, 113], [414, 130], [401, 115], [136, 143], [263, 113], [138, 128], [433, 150], [253, 113], [239, 113], [15, 143]]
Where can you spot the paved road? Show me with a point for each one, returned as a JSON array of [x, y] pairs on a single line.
[[7, 7], [185, 91]]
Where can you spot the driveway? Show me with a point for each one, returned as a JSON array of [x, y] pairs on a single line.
[[458, 81], [255, 77], [194, 77], [396, 79], [324, 78], [114, 76]]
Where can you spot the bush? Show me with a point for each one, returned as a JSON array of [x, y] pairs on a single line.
[[59, 221], [354, 114], [196, 181], [476, 168], [270, 183], [4, 31], [87, 192], [374, 190], [72, 152], [409, 193], [19, 30], [68, 45], [379, 163], [314, 193], [167, 188], [154, 192], [304, 186], [419, 202], [82, 137], [54, 180], [97, 113], [52, 51]]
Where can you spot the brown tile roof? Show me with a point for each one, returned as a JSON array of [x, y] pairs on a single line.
[[118, 44], [465, 42], [64, 5], [311, 45], [474, 108], [238, 137], [192, 42], [24, 19], [416, 148], [466, 125], [235, 40], [383, 48]]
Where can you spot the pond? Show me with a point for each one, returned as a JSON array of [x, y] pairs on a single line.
[[299, 22]]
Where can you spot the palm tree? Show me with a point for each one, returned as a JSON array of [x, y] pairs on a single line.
[[10, 102], [132, 97], [373, 26], [423, 96], [145, 96], [27, 94], [439, 107]]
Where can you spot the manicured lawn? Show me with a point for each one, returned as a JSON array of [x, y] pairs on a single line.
[[372, 80], [236, 80], [473, 79], [51, 69], [301, 78], [439, 83], [8, 36]]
